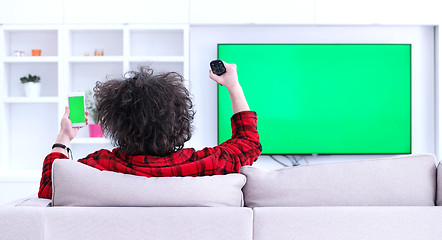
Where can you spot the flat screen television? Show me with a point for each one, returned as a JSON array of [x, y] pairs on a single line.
[[323, 98]]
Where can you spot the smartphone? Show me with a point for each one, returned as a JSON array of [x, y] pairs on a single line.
[[77, 109]]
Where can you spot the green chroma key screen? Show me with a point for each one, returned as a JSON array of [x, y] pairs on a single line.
[[323, 98]]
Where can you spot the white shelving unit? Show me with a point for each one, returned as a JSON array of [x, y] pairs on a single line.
[[29, 126]]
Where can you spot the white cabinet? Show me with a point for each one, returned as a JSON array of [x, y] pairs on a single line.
[[377, 12], [225, 12], [252, 11], [29, 126], [35, 11], [93, 12], [128, 11]]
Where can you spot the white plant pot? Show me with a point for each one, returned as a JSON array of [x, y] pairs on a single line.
[[32, 89]]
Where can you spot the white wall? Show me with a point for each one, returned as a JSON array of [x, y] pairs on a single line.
[[93, 11], [252, 11], [227, 11], [10, 191]]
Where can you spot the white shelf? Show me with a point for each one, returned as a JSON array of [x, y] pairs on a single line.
[[63, 67], [95, 27], [40, 59], [31, 100], [156, 27], [156, 59], [86, 140], [96, 59], [36, 28]]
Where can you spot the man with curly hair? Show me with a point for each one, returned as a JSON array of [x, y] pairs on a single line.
[[148, 117]]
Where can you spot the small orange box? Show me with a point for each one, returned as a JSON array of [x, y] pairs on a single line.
[[36, 52]]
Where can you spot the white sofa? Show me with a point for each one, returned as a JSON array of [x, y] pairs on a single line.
[[390, 198]]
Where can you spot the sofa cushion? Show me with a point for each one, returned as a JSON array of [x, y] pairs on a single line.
[[401, 181], [347, 223], [164, 223], [76, 184]]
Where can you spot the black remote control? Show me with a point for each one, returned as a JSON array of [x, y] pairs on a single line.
[[217, 67]]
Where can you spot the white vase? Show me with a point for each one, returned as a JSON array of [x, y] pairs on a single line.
[[32, 89]]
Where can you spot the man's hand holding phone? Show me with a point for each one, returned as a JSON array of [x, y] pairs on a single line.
[[74, 118], [67, 130]]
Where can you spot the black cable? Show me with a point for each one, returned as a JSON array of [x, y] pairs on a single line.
[[276, 160], [296, 160]]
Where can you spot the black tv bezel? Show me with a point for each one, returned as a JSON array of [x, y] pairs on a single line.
[[411, 96]]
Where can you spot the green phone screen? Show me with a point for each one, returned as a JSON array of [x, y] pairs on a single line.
[[76, 106]]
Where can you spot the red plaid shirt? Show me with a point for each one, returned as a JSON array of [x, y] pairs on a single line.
[[242, 149]]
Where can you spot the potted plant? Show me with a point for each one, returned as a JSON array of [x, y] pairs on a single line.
[[94, 127], [32, 85]]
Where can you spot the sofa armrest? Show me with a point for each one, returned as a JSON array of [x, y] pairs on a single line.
[[23, 219], [30, 201]]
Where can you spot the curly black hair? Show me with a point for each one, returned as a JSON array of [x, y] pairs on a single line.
[[145, 113]]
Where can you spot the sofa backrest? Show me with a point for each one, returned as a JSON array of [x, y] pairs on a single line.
[[77, 184], [439, 185], [395, 181]]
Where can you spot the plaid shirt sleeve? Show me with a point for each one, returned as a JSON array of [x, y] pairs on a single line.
[[45, 190], [243, 148]]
